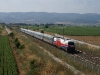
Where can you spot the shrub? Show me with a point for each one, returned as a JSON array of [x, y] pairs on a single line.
[[46, 26], [33, 68], [16, 40], [22, 46], [42, 31], [11, 34], [17, 43]]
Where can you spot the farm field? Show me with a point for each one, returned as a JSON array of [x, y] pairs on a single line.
[[70, 30], [7, 61], [89, 39], [87, 34], [0, 29]]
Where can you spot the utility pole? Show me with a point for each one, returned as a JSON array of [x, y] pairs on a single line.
[[63, 30]]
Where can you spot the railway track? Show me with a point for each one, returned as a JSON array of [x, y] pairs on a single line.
[[84, 57], [92, 59]]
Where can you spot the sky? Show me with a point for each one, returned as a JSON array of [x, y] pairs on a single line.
[[59, 6]]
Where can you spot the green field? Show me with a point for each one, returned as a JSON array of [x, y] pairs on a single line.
[[70, 30], [7, 61], [0, 29]]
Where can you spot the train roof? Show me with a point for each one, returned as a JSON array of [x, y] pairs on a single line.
[[48, 35], [64, 40]]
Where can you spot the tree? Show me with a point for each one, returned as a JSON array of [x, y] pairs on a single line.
[[42, 31], [46, 26], [11, 34]]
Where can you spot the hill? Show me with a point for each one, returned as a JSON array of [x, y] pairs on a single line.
[[44, 17]]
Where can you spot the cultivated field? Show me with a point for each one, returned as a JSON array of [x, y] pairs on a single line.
[[87, 34], [7, 61], [89, 39], [0, 29], [70, 30]]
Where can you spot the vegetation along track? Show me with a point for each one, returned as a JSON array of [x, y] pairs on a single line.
[[82, 56], [87, 58]]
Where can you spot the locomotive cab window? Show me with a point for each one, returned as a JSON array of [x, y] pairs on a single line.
[[70, 43]]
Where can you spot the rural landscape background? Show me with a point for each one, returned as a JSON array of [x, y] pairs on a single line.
[[22, 53], [28, 58]]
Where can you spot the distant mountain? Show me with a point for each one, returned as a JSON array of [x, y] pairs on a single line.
[[43, 17]]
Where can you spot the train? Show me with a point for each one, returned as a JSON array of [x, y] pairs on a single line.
[[65, 44]]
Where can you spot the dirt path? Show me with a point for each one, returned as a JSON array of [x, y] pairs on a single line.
[[8, 31]]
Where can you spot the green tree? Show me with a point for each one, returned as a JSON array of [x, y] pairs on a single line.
[[46, 26], [42, 31], [11, 34]]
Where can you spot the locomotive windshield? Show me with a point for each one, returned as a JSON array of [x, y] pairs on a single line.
[[70, 43]]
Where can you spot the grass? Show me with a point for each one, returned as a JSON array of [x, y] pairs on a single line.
[[7, 61], [88, 49]]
